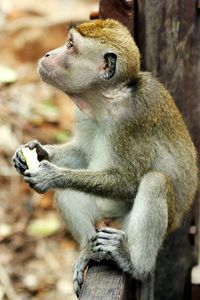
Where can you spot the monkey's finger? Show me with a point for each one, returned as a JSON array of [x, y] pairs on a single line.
[[20, 157], [29, 173], [20, 164], [105, 250], [38, 189], [32, 144], [77, 288], [41, 153], [80, 277], [111, 230], [102, 241], [29, 179], [20, 167], [103, 235]]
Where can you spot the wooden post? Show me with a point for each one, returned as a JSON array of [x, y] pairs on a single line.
[[105, 282], [168, 35]]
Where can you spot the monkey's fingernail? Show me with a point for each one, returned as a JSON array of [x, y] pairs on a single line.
[[93, 239]]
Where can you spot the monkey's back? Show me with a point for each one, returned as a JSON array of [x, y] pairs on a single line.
[[175, 154]]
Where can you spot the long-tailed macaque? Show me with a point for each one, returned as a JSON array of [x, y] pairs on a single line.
[[131, 156]]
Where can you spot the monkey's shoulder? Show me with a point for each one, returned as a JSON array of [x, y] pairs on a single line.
[[158, 106], [148, 88]]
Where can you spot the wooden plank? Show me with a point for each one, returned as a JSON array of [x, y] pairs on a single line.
[[104, 282], [121, 10]]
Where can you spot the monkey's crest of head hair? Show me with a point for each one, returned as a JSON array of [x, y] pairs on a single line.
[[117, 36]]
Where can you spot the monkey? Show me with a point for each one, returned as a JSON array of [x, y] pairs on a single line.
[[131, 156]]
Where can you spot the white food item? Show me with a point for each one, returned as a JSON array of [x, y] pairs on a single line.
[[195, 277], [31, 158]]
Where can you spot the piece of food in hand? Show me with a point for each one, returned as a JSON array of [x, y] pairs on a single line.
[[31, 158]]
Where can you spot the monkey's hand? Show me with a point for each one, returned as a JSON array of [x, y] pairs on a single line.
[[112, 245], [19, 160], [43, 178], [78, 274]]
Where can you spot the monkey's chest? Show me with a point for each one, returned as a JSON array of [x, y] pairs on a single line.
[[100, 154], [101, 160]]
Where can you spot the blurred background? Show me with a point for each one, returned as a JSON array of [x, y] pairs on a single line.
[[36, 251]]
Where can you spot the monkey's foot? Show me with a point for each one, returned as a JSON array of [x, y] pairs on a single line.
[[111, 244], [80, 266], [78, 274]]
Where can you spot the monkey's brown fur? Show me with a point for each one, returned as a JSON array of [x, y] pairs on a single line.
[[119, 37]]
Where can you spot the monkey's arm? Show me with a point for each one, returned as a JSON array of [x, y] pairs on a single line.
[[68, 155], [109, 183]]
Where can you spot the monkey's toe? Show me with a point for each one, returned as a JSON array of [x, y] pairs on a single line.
[[78, 275], [78, 279]]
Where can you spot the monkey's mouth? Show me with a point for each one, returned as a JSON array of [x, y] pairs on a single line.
[[46, 72], [43, 68], [49, 75]]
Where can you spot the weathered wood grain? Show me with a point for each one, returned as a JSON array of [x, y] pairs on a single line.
[[168, 35], [104, 282]]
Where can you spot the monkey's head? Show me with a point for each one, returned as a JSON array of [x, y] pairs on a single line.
[[97, 54]]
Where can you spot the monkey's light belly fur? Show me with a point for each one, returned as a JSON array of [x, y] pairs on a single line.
[[31, 158]]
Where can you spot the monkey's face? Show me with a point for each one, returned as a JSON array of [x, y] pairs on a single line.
[[81, 64]]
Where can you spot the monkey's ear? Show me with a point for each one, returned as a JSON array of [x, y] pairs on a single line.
[[108, 66]]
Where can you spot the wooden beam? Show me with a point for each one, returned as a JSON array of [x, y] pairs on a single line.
[[105, 282]]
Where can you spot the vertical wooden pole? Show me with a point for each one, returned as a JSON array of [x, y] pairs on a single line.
[[168, 35], [121, 10]]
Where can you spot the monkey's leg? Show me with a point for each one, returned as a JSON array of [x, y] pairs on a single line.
[[80, 213], [135, 250]]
